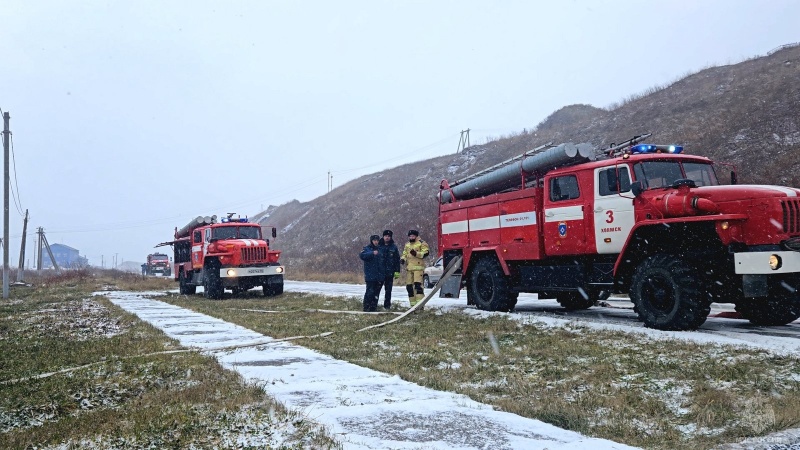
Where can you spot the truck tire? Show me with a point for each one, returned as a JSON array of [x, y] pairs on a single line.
[[183, 285], [488, 286], [212, 285], [426, 281], [778, 309], [273, 289], [574, 300], [666, 293]]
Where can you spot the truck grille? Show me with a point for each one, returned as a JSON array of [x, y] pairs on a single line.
[[254, 254], [791, 216]]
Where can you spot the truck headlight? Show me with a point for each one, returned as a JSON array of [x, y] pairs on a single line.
[[231, 273], [279, 270], [775, 262]]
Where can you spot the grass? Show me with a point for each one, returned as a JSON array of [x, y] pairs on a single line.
[[127, 396], [628, 388]]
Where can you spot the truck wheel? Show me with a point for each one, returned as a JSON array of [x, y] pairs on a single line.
[[426, 281], [184, 287], [665, 291], [212, 285], [573, 301], [488, 286], [271, 290], [778, 309], [512, 300]]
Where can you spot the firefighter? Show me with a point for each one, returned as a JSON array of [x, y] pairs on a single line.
[[413, 257]]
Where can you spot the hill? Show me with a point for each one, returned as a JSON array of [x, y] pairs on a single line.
[[745, 114]]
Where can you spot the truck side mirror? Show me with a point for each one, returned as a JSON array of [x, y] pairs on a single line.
[[636, 188], [733, 177], [274, 232]]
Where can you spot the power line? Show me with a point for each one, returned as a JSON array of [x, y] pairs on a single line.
[[17, 201], [397, 157]]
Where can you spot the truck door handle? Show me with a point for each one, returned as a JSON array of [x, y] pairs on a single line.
[[598, 209], [518, 239], [549, 214]]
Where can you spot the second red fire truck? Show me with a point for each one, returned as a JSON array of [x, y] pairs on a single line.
[[576, 224], [229, 254]]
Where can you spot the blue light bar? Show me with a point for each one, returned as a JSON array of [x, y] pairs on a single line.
[[225, 220], [650, 148]]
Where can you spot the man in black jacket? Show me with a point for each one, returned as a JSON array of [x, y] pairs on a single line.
[[373, 272], [391, 262]]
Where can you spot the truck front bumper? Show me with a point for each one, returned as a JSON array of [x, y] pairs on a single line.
[[238, 272], [759, 278], [757, 263]]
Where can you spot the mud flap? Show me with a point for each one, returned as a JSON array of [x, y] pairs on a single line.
[[451, 288], [755, 285]]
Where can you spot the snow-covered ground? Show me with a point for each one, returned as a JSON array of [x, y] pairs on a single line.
[[363, 408], [618, 315]]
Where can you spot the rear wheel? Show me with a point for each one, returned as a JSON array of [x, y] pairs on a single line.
[[426, 281], [665, 290], [212, 285], [488, 287]]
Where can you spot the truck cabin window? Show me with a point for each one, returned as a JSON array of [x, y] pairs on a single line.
[[564, 188], [236, 233], [661, 174], [614, 180]]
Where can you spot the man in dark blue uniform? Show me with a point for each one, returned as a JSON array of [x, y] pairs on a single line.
[[373, 272], [391, 261]]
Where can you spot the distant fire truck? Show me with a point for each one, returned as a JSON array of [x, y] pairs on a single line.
[[230, 254], [158, 263], [577, 224]]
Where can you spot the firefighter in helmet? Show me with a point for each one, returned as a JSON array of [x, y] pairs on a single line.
[[413, 258]]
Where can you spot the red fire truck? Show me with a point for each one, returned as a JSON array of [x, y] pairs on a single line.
[[230, 254], [158, 263], [578, 224]]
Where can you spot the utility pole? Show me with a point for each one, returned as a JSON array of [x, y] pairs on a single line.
[[463, 141], [6, 139], [21, 271], [40, 232]]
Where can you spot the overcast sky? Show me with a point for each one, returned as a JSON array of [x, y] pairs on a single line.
[[129, 118]]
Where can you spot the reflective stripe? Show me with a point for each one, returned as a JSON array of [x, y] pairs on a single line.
[[490, 223], [455, 227], [788, 191], [485, 223]]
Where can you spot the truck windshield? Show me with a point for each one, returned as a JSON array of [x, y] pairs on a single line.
[[159, 257], [236, 232], [659, 174]]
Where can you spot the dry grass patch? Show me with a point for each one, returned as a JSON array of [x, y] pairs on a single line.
[[629, 388], [124, 394]]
